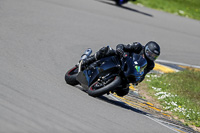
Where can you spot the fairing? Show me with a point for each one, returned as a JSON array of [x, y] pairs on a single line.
[[104, 66], [133, 67]]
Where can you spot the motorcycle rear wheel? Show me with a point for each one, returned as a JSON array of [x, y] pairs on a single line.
[[70, 76], [98, 88]]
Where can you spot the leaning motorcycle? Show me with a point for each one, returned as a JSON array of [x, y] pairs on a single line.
[[109, 74], [120, 2]]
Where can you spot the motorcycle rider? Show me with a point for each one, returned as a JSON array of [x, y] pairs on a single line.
[[150, 52]]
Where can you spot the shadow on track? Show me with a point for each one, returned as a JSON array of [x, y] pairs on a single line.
[[121, 104], [114, 102], [127, 8]]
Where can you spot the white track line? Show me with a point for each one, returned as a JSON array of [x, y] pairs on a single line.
[[161, 61], [177, 63], [161, 123], [144, 115]]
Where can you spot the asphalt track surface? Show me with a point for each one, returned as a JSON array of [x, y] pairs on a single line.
[[41, 39]]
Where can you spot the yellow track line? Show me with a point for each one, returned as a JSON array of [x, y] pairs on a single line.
[[139, 104], [179, 130], [163, 69], [146, 105], [190, 68]]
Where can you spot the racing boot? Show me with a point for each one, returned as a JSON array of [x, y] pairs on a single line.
[[102, 53], [122, 91], [98, 55]]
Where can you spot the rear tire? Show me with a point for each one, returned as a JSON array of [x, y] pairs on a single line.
[[92, 91], [70, 76]]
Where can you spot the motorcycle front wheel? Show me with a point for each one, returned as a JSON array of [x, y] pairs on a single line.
[[101, 87], [70, 76]]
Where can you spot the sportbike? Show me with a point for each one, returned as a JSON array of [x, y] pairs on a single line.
[[110, 74]]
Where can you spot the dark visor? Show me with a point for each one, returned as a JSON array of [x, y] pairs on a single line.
[[150, 54]]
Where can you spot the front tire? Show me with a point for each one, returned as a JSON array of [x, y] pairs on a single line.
[[70, 76], [99, 89]]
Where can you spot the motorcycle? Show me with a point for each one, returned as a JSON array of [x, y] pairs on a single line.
[[120, 2], [109, 74]]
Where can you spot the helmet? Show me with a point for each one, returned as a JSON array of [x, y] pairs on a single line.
[[152, 50]]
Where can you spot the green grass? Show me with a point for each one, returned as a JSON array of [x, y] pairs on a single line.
[[186, 8], [179, 93]]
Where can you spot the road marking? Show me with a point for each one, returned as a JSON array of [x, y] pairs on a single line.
[[163, 124], [132, 87], [142, 105], [124, 100], [190, 68], [177, 63], [136, 102], [164, 69]]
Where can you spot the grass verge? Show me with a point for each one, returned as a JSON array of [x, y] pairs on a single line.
[[178, 93], [186, 8]]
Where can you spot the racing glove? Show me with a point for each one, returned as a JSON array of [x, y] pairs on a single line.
[[120, 52]]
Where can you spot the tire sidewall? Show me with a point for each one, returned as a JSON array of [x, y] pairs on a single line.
[[71, 79], [109, 87]]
